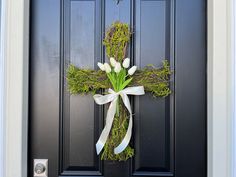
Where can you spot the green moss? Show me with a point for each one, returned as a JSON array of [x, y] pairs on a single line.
[[116, 40], [82, 81], [154, 80], [85, 81], [119, 129]]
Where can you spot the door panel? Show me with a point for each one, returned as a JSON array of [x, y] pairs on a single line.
[[153, 117], [44, 83], [80, 115], [190, 109], [169, 133]]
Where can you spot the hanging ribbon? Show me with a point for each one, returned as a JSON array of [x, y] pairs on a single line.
[[113, 97]]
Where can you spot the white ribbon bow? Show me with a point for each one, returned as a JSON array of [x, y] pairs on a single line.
[[112, 97]]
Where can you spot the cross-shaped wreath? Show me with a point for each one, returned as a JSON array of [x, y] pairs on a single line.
[[118, 79]]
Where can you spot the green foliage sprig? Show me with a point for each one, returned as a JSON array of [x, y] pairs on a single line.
[[116, 40], [82, 81], [154, 80]]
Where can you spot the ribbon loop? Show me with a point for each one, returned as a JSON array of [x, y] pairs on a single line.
[[112, 97]]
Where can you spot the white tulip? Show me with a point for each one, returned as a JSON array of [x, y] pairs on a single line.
[[113, 61], [126, 63], [101, 66], [132, 70], [117, 67], [107, 67]]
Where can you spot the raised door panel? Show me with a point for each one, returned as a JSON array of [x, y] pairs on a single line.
[[80, 115], [154, 138], [190, 88]]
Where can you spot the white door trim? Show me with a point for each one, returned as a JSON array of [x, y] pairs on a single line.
[[15, 55], [234, 119], [220, 87]]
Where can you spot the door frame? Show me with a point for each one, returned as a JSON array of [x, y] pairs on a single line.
[[220, 87]]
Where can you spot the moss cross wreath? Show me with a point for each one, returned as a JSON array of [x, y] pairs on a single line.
[[118, 77]]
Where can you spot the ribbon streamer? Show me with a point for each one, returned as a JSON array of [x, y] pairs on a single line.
[[113, 97]]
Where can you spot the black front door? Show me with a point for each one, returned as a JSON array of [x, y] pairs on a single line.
[[169, 134]]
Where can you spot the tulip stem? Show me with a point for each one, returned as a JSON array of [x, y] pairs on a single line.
[[117, 107]]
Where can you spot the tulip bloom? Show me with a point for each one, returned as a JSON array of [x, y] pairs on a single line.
[[107, 67], [132, 70], [101, 66], [113, 62], [117, 67], [126, 63]]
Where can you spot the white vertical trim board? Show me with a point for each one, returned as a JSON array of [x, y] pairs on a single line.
[[16, 33], [220, 88], [234, 125]]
